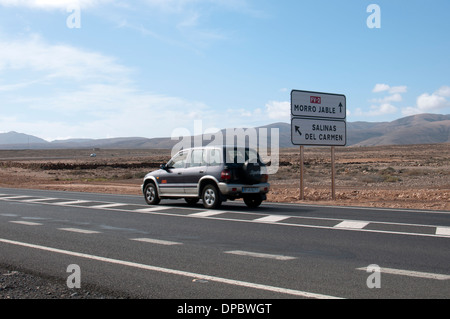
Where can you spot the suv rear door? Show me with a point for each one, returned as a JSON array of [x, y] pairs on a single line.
[[195, 170]]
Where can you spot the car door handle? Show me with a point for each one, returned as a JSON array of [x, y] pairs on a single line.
[[180, 173], [201, 172]]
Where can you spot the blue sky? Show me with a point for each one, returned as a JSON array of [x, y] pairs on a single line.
[[105, 68]]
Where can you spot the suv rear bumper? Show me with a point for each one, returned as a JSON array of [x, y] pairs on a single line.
[[239, 190]]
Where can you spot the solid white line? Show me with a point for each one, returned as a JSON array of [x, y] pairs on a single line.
[[409, 273], [259, 255], [293, 292], [156, 241], [207, 213], [271, 219], [444, 231], [14, 197], [37, 200], [25, 223], [351, 224], [82, 231]]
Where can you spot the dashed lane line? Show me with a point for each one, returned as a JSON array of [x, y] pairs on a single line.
[[22, 222], [81, 231], [156, 241], [271, 219], [443, 231], [259, 255], [352, 224]]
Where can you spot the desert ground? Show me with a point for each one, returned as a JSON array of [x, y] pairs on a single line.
[[411, 176]]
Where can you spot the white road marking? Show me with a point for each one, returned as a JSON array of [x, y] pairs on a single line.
[[351, 224], [150, 210], [74, 202], [443, 231], [37, 200], [111, 205], [25, 223], [14, 197], [156, 241], [78, 230], [207, 213], [271, 219], [410, 273], [259, 255], [280, 290]]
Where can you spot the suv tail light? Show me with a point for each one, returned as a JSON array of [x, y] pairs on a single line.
[[264, 178], [225, 175]]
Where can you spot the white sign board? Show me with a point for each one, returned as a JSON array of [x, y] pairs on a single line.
[[322, 132], [318, 105]]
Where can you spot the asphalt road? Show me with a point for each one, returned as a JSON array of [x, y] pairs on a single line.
[[174, 251]]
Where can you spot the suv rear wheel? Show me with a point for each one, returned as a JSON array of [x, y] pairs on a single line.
[[151, 194], [253, 201], [211, 197]]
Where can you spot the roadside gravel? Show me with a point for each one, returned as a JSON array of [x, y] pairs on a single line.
[[16, 284]]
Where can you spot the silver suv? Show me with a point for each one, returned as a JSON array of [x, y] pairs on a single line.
[[213, 174]]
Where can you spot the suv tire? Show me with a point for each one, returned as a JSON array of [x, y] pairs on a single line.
[[151, 194], [211, 197], [253, 201]]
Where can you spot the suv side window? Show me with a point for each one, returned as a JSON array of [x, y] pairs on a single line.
[[215, 157], [198, 158], [178, 161]]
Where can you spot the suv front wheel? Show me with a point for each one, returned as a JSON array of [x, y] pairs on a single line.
[[151, 194], [211, 197]]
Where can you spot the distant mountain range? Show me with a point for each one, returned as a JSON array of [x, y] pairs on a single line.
[[416, 129]]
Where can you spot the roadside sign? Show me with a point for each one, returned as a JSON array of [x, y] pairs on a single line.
[[321, 132], [318, 105]]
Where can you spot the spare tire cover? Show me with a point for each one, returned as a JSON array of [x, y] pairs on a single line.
[[252, 172]]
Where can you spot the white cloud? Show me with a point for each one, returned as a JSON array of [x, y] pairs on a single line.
[[391, 98], [380, 88], [430, 103], [383, 106], [58, 61], [378, 110], [51, 4], [276, 110], [59, 90], [392, 90], [444, 91]]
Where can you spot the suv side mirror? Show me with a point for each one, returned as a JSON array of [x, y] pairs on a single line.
[[163, 166]]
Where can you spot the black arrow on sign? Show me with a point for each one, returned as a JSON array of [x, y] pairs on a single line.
[[297, 129]]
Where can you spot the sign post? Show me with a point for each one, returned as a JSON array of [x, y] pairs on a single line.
[[302, 187], [318, 119]]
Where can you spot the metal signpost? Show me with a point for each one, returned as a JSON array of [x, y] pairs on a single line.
[[318, 119]]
